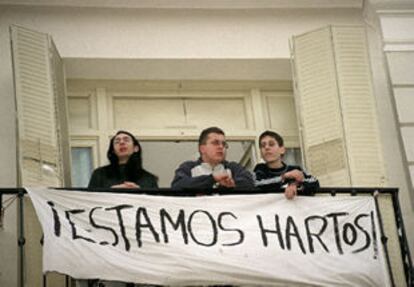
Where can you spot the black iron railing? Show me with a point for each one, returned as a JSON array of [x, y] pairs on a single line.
[[333, 191]]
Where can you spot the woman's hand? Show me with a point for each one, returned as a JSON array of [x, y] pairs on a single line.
[[126, 184]]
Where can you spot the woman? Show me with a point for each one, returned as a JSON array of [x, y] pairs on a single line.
[[274, 174], [124, 171], [125, 168]]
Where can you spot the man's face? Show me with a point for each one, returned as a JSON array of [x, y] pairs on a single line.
[[270, 150], [214, 149], [124, 147]]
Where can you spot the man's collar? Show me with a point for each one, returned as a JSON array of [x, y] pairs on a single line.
[[200, 160]]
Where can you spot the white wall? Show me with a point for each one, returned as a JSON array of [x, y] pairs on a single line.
[[8, 234], [398, 39], [397, 174], [122, 33]]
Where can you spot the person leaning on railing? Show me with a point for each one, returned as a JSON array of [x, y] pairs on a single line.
[[274, 174], [212, 170], [125, 169]]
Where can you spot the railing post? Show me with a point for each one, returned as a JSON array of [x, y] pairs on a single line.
[[384, 238], [21, 239], [1, 210]]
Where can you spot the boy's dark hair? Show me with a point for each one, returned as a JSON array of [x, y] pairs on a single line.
[[274, 135], [204, 134]]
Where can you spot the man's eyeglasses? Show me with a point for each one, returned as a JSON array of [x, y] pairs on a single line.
[[220, 143]]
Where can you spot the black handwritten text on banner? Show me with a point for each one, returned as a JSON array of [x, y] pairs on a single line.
[[236, 239]]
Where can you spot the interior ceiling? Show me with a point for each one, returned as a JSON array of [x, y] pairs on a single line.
[[178, 69], [192, 4]]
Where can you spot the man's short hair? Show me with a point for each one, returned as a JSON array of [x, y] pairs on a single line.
[[204, 134], [274, 135]]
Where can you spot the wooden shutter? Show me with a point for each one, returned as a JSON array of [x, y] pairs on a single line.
[[39, 87], [336, 107], [42, 134], [62, 116]]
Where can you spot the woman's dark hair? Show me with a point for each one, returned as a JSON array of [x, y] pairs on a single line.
[[133, 168]]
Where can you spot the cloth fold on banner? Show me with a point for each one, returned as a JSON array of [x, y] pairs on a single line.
[[261, 239]]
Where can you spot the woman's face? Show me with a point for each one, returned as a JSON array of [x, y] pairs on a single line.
[[124, 147], [270, 150]]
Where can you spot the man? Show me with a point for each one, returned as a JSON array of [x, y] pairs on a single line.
[[212, 170]]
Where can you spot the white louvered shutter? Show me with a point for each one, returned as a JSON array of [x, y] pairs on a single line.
[[38, 85], [42, 134], [62, 115], [336, 107]]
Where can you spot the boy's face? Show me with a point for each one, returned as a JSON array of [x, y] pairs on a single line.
[[270, 150]]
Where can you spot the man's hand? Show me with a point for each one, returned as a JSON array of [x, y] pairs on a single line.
[[126, 184], [295, 175], [291, 191], [224, 179]]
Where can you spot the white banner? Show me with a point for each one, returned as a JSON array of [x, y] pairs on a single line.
[[262, 240]]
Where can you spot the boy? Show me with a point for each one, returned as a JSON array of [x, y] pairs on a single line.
[[274, 174]]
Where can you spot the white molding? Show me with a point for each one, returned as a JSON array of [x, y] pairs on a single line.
[[396, 12], [92, 106], [186, 135], [87, 141], [131, 86], [193, 69], [191, 4], [399, 46], [183, 94], [402, 86]]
